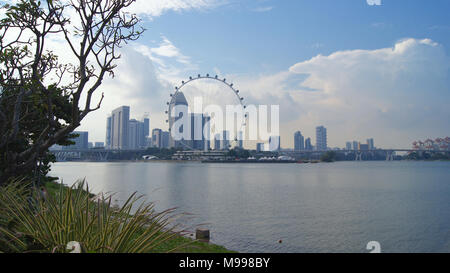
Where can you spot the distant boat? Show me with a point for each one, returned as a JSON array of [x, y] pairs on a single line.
[[149, 157]]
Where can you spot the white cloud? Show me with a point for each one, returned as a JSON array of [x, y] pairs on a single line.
[[262, 9], [396, 95], [374, 2], [156, 8], [393, 94]]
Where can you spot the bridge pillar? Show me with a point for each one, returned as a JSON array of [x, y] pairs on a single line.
[[390, 156]]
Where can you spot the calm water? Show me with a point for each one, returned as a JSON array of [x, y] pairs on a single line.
[[337, 207]]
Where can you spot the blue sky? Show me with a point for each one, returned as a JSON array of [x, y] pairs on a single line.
[[284, 32], [361, 70]]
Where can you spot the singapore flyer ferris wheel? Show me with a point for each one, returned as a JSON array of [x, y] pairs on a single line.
[[221, 129]]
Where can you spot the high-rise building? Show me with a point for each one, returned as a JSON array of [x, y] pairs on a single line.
[[177, 100], [363, 147], [81, 141], [157, 138], [321, 138], [274, 143], [355, 145], [348, 146], [299, 141], [146, 125], [165, 140], [241, 140], [308, 145], [259, 147], [199, 132], [217, 142], [120, 118], [133, 134], [370, 143], [225, 143], [99, 145], [108, 132]]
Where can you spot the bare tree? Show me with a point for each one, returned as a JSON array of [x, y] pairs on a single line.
[[44, 99]]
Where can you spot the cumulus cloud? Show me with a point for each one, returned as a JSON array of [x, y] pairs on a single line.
[[374, 2], [394, 94], [262, 9], [143, 82], [157, 8]]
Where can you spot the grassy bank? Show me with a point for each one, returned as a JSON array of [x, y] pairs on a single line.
[[180, 243], [56, 216]]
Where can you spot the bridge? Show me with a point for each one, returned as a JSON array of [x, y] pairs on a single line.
[[360, 155], [92, 154], [103, 155]]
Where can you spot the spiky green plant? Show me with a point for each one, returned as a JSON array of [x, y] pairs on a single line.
[[34, 223]]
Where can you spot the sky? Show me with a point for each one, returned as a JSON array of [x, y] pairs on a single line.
[[361, 68]]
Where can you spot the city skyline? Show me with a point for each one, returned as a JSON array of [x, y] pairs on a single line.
[[356, 82]]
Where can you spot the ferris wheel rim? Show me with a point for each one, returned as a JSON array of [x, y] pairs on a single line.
[[199, 77], [207, 76]]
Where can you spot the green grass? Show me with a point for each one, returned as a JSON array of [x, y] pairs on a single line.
[[180, 243]]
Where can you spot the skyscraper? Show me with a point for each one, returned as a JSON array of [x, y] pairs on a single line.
[[370, 143], [321, 138], [81, 141], [108, 133], [199, 132], [299, 141], [355, 145], [225, 143], [274, 143], [165, 140], [217, 142], [177, 100], [146, 125], [308, 145], [157, 138], [120, 127], [241, 140], [348, 146], [259, 147]]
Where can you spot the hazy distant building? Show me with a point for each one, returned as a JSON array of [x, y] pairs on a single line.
[[177, 100], [165, 140], [217, 142], [363, 147], [99, 145], [274, 143], [120, 118], [299, 141], [146, 125], [241, 140], [370, 143], [157, 138], [308, 144], [90, 145], [225, 141], [81, 141], [108, 132], [259, 147], [133, 134], [200, 132], [355, 145], [321, 138], [348, 146]]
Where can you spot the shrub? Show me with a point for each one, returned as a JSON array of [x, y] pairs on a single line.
[[33, 222]]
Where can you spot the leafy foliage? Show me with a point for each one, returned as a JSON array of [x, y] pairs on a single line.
[[49, 224], [329, 156], [44, 99]]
